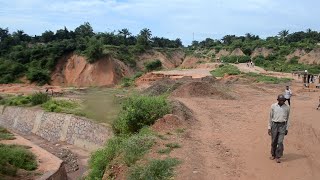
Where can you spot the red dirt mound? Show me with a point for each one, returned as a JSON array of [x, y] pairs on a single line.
[[261, 51], [200, 89], [74, 70], [237, 52], [168, 122], [192, 62]]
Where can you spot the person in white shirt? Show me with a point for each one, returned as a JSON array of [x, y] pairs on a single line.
[[278, 127], [287, 94]]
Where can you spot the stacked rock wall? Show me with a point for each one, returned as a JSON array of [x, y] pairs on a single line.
[[55, 127]]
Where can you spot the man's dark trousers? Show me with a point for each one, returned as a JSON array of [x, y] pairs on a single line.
[[278, 131]]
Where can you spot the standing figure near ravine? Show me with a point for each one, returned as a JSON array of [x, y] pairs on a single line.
[[278, 127], [288, 94]]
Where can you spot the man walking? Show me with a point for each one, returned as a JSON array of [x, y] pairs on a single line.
[[278, 127], [288, 94]]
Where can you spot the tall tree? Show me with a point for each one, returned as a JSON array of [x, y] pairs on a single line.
[[84, 30], [4, 33]]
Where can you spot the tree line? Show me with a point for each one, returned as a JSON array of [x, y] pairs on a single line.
[[36, 56]]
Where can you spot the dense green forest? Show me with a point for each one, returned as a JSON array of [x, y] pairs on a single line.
[[36, 56]]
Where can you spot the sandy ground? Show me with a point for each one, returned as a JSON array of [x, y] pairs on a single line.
[[229, 140]]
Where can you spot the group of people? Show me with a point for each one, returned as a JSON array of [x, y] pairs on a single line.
[[250, 64], [279, 123]]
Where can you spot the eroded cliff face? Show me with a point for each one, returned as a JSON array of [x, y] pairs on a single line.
[[74, 70]]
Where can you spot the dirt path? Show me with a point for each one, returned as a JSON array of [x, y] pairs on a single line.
[[229, 139]]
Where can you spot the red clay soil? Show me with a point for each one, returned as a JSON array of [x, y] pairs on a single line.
[[168, 122], [229, 140], [27, 89], [192, 62], [74, 70]]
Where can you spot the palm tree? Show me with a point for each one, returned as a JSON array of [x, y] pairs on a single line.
[[284, 33], [308, 30], [146, 33], [124, 32]]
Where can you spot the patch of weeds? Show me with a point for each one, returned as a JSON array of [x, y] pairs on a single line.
[[128, 149], [180, 130], [266, 79], [165, 150], [14, 157], [162, 137], [154, 169], [102, 158], [5, 134], [136, 146], [173, 145], [225, 69]]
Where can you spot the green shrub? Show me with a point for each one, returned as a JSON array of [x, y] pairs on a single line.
[[235, 59], [39, 98], [154, 169], [140, 111], [13, 157], [225, 69], [38, 75], [153, 65]]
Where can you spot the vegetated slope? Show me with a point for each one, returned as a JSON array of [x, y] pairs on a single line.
[[74, 70], [168, 58], [313, 57]]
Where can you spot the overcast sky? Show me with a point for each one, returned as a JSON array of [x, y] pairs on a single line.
[[165, 18]]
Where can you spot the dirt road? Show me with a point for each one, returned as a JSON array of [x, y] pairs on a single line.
[[229, 140]]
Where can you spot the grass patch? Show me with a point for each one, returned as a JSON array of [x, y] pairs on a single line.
[[5, 134], [16, 101], [180, 130], [165, 151], [173, 145], [32, 100], [136, 146], [14, 157], [225, 69], [64, 106], [266, 79], [154, 169], [140, 111]]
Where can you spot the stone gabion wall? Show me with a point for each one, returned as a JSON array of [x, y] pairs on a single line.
[[55, 127]]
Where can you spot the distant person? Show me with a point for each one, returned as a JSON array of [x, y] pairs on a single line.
[[278, 127], [319, 104], [288, 94]]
